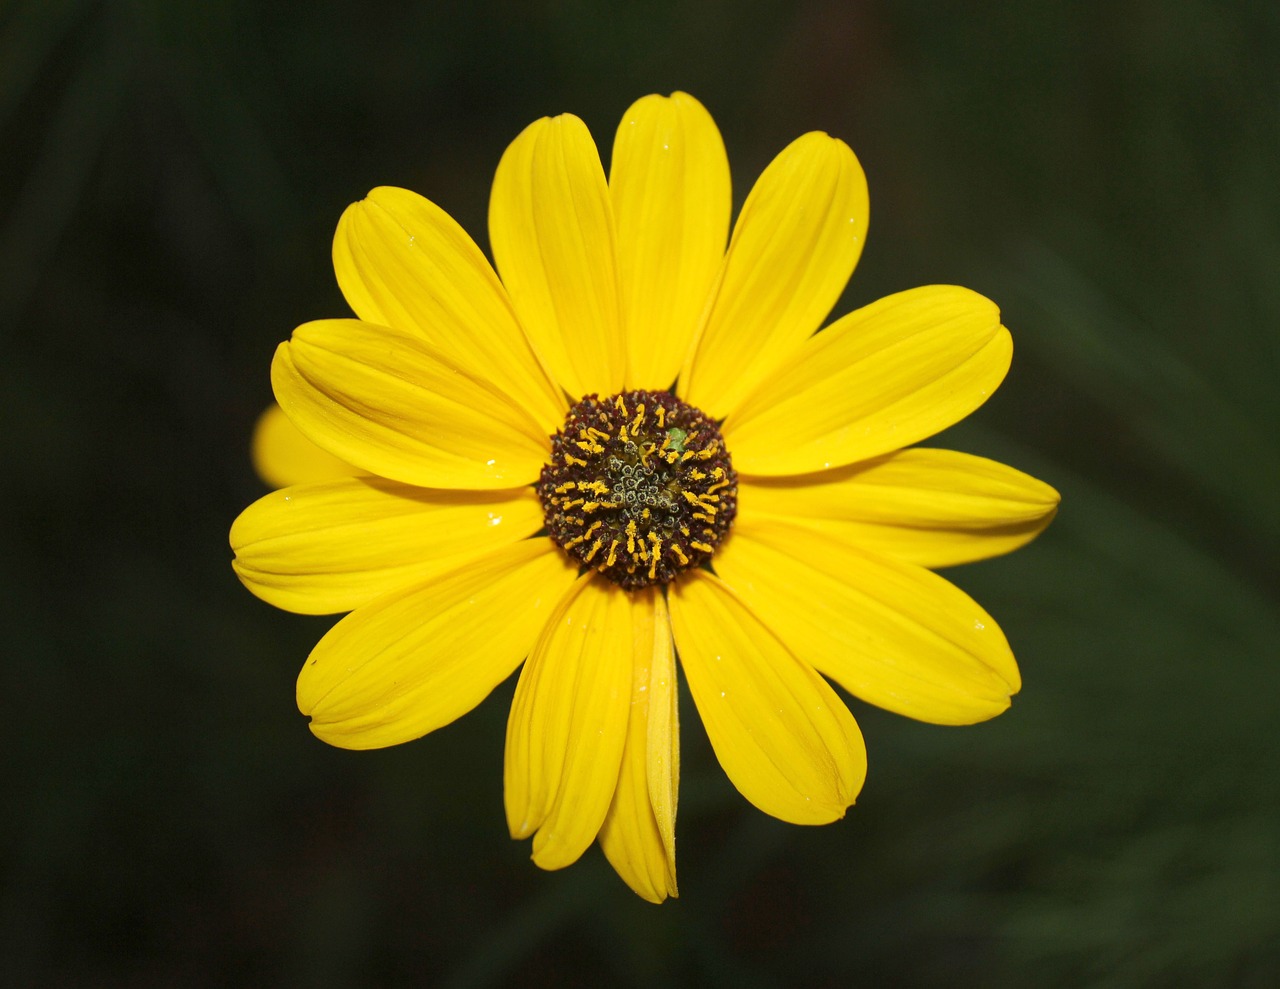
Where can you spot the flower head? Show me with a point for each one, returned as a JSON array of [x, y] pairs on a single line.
[[628, 445]]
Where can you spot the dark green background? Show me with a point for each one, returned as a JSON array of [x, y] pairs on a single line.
[[170, 176]]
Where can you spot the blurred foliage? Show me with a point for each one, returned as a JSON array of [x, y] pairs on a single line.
[[172, 173]]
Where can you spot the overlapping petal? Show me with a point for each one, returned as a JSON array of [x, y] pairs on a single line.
[[403, 261], [936, 508], [282, 456], [324, 548], [887, 375], [412, 661], [896, 635], [783, 736], [388, 402], [669, 183], [794, 247], [568, 723], [639, 832], [551, 228]]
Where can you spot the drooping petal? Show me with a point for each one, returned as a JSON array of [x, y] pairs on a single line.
[[282, 456], [662, 761], [669, 181], [793, 249], [386, 401], [551, 227], [568, 723], [783, 736], [323, 548], [936, 508], [896, 635], [639, 832], [411, 662], [403, 261], [885, 376]]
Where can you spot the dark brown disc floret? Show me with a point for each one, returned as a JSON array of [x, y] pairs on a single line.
[[639, 487]]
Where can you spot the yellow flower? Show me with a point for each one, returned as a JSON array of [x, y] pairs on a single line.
[[533, 485]]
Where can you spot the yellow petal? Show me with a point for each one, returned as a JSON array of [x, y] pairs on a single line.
[[551, 227], [669, 181], [936, 508], [324, 548], [283, 456], [568, 723], [893, 634], [883, 377], [411, 662], [386, 401], [639, 832], [403, 261], [784, 738], [793, 249]]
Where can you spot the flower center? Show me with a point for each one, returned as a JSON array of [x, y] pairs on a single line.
[[639, 486]]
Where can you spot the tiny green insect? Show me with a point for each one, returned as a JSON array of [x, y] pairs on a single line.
[[676, 435]]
